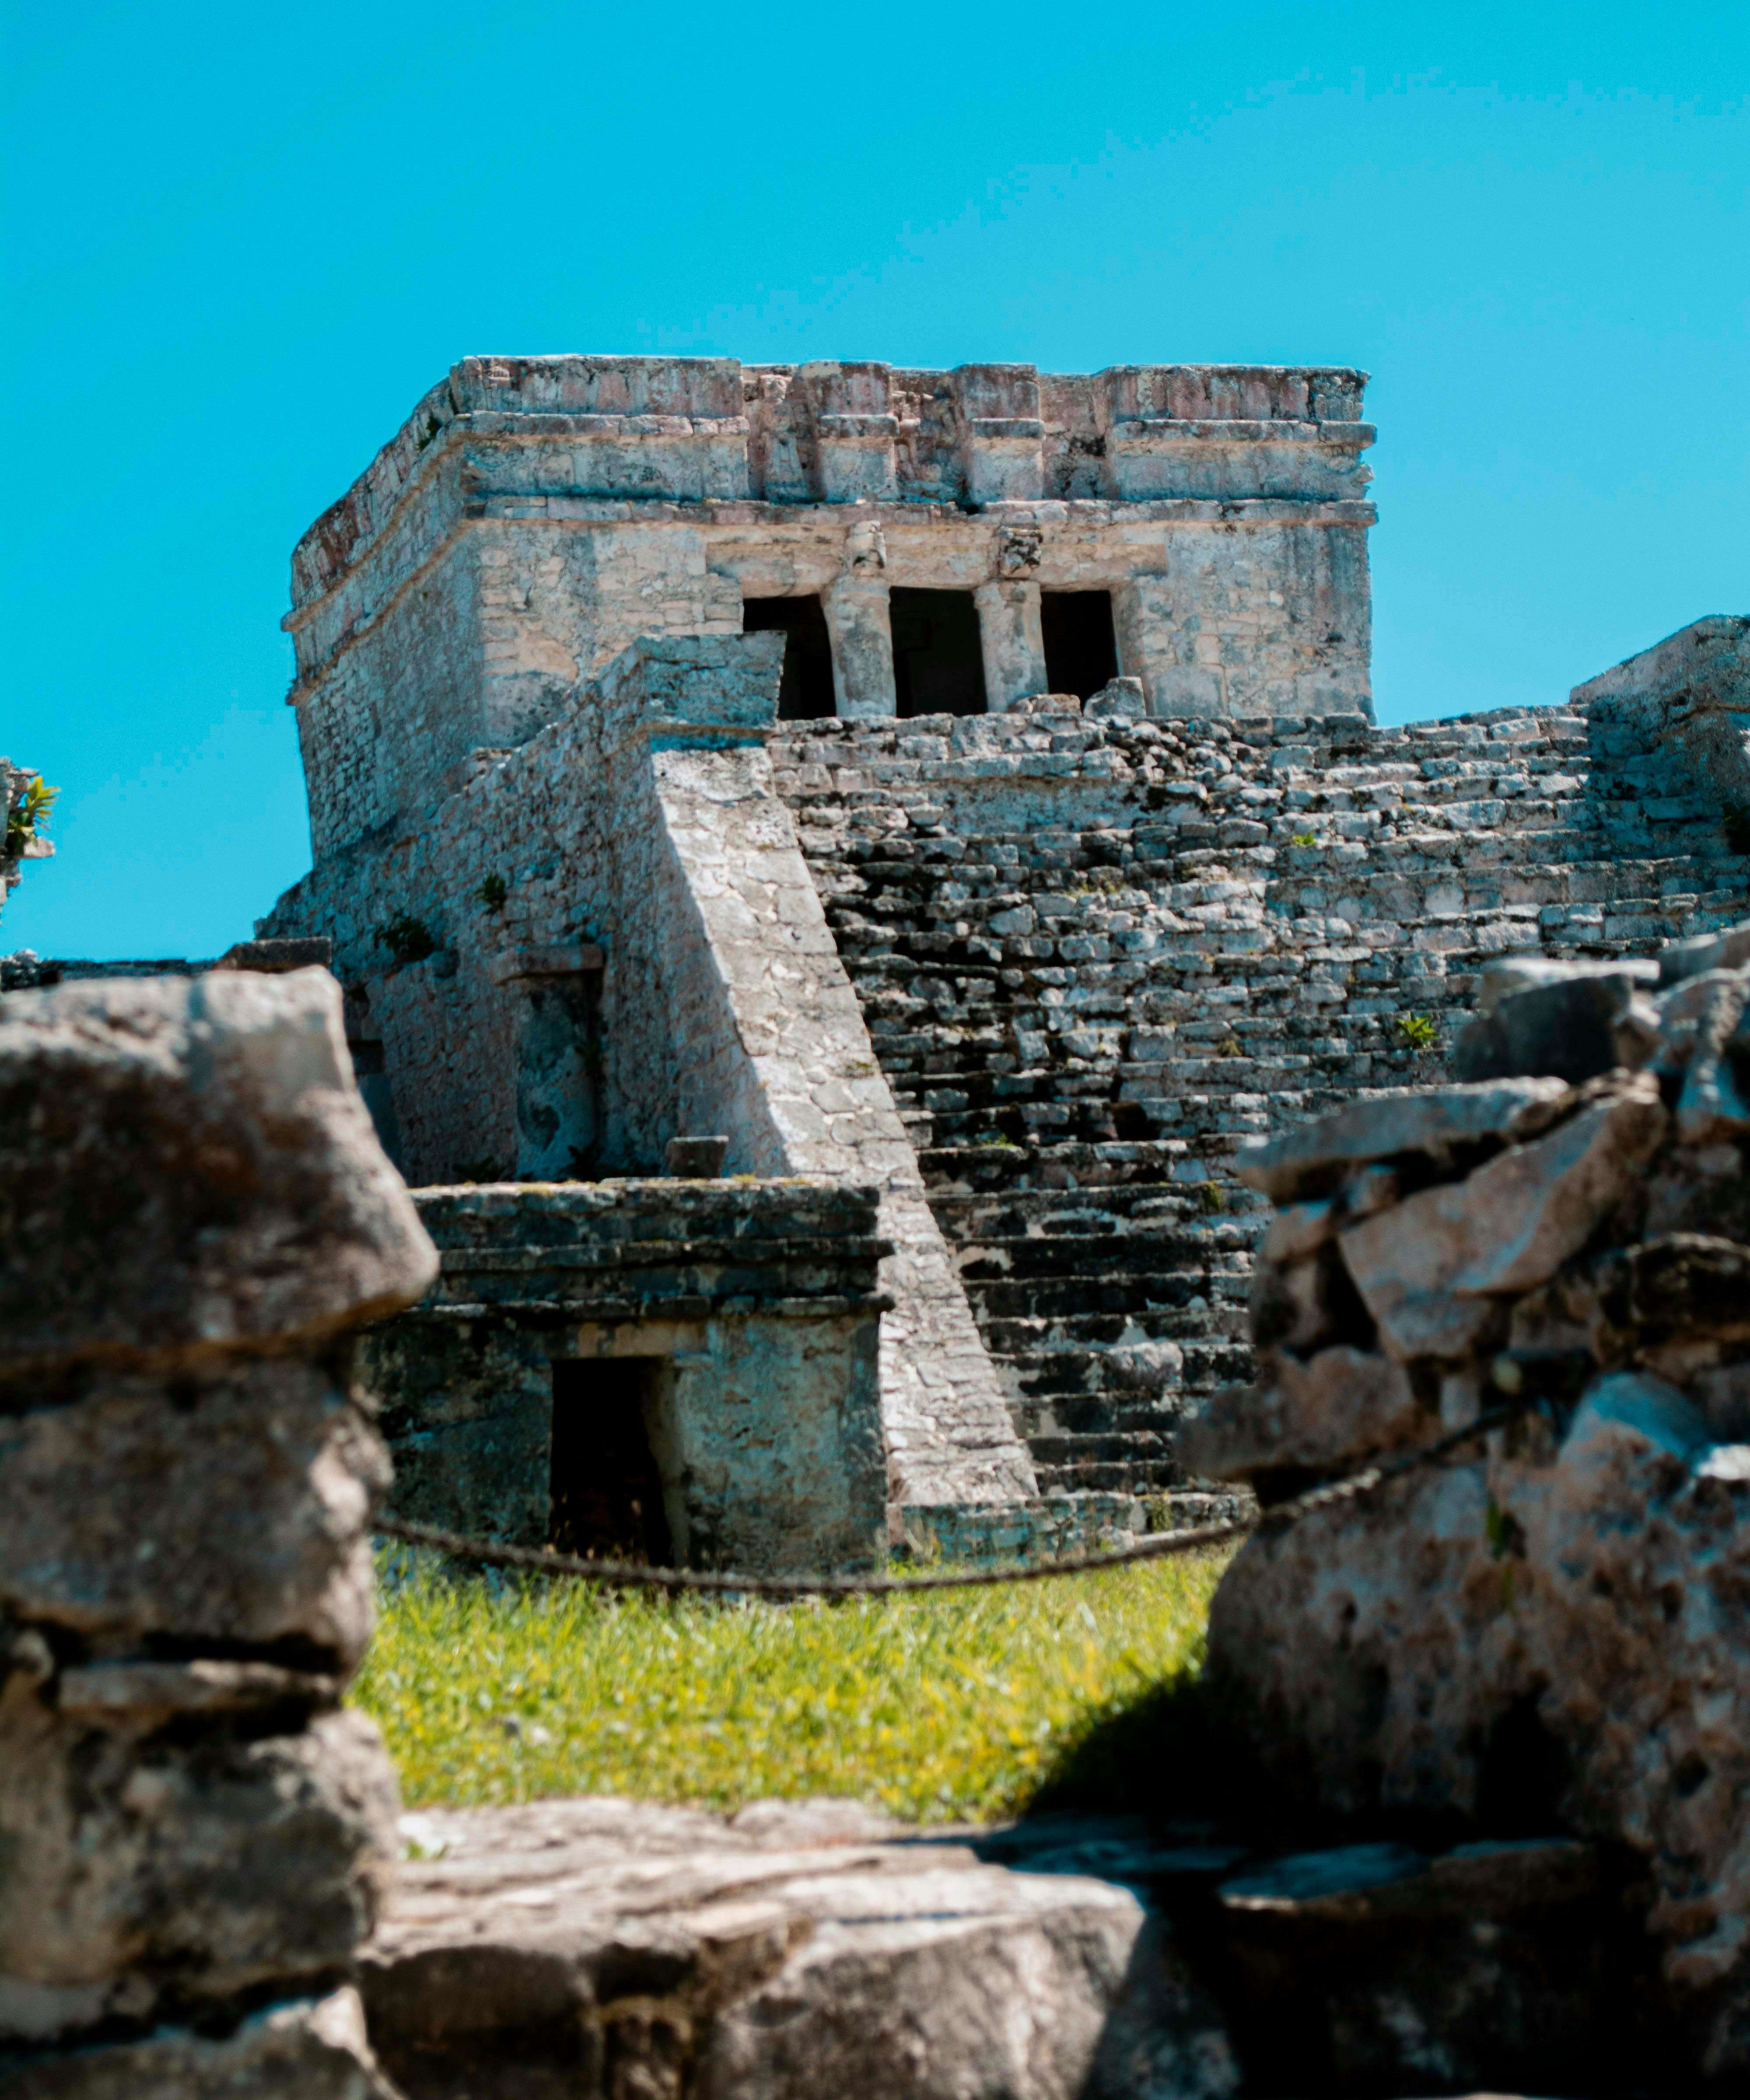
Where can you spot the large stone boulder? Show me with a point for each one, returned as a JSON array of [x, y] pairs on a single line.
[[188, 1170], [1551, 1631], [193, 1836]]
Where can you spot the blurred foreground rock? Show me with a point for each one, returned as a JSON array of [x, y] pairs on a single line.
[[1551, 1633], [193, 1836], [616, 1947]]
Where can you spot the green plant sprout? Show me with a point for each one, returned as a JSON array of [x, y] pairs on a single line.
[[407, 939]]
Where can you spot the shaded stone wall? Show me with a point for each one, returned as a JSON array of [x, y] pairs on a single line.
[[1551, 1629], [194, 1833]]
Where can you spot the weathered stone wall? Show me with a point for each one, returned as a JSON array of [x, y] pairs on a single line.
[[193, 1835], [760, 1301], [1552, 1628], [640, 832], [1097, 951], [516, 534]]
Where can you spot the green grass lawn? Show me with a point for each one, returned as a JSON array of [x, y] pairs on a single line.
[[958, 1706]]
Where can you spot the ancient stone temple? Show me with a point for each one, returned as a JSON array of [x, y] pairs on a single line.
[[955, 794], [959, 789], [542, 645]]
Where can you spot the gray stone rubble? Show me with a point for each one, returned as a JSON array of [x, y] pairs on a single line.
[[193, 1834], [1554, 1632]]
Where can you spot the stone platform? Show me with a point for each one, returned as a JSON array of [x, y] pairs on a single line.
[[606, 1946]]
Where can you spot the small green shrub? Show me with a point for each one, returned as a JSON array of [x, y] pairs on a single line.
[[1230, 1046], [1303, 839], [29, 814], [1417, 1031], [1214, 1197], [407, 939], [493, 892]]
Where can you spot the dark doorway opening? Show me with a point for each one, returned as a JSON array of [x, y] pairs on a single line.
[[938, 660], [806, 691], [1080, 649], [607, 1493]]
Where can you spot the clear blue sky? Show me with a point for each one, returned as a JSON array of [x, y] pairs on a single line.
[[241, 242]]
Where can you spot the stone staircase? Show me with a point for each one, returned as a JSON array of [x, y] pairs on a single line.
[[1094, 954]]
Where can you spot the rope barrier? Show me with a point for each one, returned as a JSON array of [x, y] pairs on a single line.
[[627, 1575]]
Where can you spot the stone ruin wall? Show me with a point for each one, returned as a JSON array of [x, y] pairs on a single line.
[[1080, 956], [641, 828], [1550, 1630], [534, 516], [195, 1835], [753, 1309]]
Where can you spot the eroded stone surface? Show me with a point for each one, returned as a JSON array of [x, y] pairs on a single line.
[[203, 1872], [252, 1492], [311, 2049], [789, 1949], [1309, 1160], [244, 1201], [1556, 1626], [193, 1210]]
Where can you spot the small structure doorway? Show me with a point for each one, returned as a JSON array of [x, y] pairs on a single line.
[[606, 1491]]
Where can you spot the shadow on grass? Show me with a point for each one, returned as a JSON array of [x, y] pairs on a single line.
[[1168, 1751]]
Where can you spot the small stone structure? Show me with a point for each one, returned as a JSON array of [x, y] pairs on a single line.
[[727, 1329], [1554, 1629], [193, 1834]]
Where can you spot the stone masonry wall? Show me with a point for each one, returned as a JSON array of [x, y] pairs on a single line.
[[194, 1834], [639, 835], [1096, 953], [516, 534], [760, 1302]]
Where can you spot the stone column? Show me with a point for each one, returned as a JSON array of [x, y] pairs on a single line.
[[1014, 642], [194, 1831], [860, 624]]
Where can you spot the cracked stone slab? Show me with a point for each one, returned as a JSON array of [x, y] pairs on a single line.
[[792, 1950]]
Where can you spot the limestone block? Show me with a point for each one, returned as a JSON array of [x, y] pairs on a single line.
[[1729, 950], [306, 2048], [595, 1945], [201, 1869], [1390, 1971], [1687, 1287], [1013, 641], [1319, 1416], [1508, 1227], [1367, 1653], [233, 1514], [244, 1201], [1636, 1554], [1506, 976], [859, 619], [1703, 1025], [1312, 1158], [1565, 1027]]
